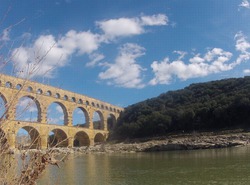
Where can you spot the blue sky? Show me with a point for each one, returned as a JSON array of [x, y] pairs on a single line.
[[125, 51]]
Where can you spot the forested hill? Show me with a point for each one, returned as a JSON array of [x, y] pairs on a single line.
[[204, 106]]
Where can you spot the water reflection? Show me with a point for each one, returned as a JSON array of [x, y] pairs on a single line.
[[220, 166]]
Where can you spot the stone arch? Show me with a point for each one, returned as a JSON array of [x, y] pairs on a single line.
[[8, 84], [81, 139], [57, 95], [29, 89], [57, 138], [111, 121], [73, 99], [39, 91], [98, 123], [80, 123], [99, 138], [19, 86], [32, 141], [49, 93], [28, 106], [80, 101], [51, 116]]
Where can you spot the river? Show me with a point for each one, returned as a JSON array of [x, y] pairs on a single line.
[[216, 166]]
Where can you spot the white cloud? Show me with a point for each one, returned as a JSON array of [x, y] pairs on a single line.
[[181, 54], [214, 61], [246, 71], [130, 26], [5, 35], [154, 20], [245, 4], [242, 45], [82, 42], [120, 27], [95, 58], [47, 53], [125, 72]]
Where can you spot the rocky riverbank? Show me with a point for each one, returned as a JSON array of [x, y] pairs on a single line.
[[193, 141], [173, 142]]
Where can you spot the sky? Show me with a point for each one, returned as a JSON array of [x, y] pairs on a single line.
[[124, 51]]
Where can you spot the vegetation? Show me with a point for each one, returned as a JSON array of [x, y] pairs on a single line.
[[204, 106]]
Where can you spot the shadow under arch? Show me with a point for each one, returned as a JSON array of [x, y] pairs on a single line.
[[64, 109], [86, 116], [98, 124], [111, 121], [81, 139], [99, 138], [37, 103], [3, 141], [33, 142], [57, 138]]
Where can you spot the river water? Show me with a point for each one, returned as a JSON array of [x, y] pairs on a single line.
[[229, 166]]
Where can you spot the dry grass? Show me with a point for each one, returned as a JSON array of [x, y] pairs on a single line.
[[25, 167]]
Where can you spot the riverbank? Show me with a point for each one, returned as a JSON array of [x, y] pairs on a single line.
[[193, 141]]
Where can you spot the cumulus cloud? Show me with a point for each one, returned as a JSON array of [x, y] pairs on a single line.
[[242, 45], [130, 26], [125, 72], [120, 27], [213, 61], [154, 20], [245, 4], [47, 53]]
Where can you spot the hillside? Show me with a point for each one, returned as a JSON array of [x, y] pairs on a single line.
[[203, 106]]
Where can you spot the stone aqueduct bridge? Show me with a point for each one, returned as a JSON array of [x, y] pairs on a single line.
[[67, 135]]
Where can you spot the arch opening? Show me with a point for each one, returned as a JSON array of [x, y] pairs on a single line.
[[3, 105], [57, 138], [81, 139], [28, 138], [98, 121], [57, 114], [80, 117], [99, 138], [28, 109], [111, 121], [8, 85], [18, 86]]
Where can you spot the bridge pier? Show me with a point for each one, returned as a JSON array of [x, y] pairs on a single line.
[[70, 142], [11, 139], [44, 141]]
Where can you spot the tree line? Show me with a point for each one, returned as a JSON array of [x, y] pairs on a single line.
[[203, 106]]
